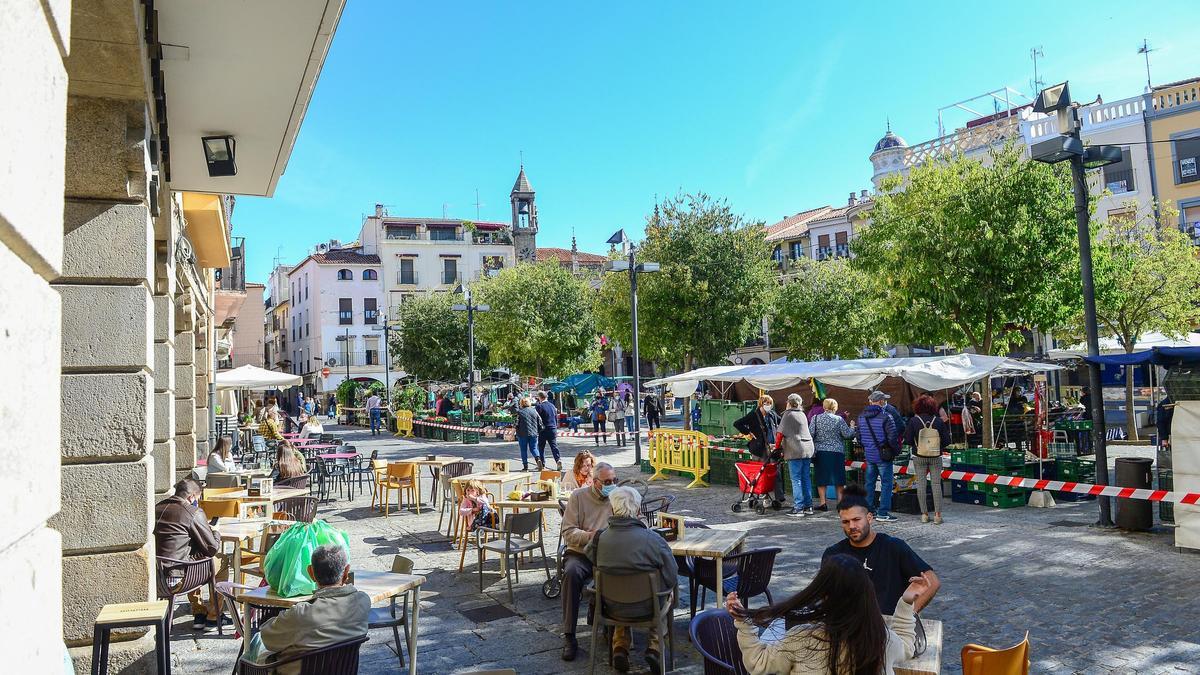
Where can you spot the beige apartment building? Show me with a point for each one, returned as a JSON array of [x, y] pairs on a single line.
[[114, 215]]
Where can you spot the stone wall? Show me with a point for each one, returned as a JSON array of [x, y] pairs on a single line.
[[34, 44]]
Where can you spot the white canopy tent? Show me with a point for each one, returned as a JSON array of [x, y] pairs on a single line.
[[1111, 345], [253, 377], [928, 373]]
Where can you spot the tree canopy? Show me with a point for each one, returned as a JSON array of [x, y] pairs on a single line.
[[540, 320], [827, 310], [430, 340], [715, 286]]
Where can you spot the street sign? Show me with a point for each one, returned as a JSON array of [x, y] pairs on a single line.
[[325, 372]]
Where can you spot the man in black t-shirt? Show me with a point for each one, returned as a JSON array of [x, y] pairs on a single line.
[[889, 561]]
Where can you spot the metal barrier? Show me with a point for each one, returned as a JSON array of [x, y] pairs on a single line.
[[404, 422], [676, 450]]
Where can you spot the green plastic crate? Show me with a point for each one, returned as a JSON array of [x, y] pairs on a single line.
[[1006, 501], [1077, 470], [1003, 458], [972, 456]]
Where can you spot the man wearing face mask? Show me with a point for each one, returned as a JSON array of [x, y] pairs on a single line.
[[181, 532], [587, 512]]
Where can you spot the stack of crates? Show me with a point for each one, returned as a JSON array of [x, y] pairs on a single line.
[[1166, 481], [1077, 470], [969, 460], [1003, 462]]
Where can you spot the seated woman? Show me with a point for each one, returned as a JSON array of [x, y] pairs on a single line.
[[220, 459], [581, 474], [841, 629], [290, 470], [312, 427], [476, 507]]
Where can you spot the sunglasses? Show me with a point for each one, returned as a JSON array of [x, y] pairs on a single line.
[[610, 481]]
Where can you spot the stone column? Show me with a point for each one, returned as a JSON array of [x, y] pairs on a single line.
[[185, 383], [107, 383], [34, 35]]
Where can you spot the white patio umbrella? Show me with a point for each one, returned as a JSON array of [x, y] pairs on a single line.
[[255, 378]]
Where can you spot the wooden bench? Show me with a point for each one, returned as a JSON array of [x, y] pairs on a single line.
[[155, 613]]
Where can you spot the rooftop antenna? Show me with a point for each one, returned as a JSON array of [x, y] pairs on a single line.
[[1145, 50], [477, 204], [278, 257], [1036, 83], [444, 207]]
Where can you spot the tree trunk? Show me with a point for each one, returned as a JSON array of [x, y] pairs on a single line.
[[1131, 427], [987, 433]]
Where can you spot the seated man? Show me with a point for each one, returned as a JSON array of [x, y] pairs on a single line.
[[181, 532], [336, 613], [627, 547], [587, 511]]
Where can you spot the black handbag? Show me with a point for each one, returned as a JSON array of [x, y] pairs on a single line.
[[886, 452]]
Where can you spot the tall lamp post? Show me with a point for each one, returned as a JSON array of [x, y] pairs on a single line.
[[470, 308], [633, 268], [1069, 147], [387, 371]]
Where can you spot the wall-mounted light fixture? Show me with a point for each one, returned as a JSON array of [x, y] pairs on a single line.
[[219, 154]]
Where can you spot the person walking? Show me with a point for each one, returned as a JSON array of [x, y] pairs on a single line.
[[617, 407], [529, 427], [880, 440], [652, 409], [927, 434], [375, 410], [830, 433], [760, 424], [798, 450], [631, 412], [599, 411], [549, 433]]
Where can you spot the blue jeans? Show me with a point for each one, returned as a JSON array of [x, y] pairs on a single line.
[[883, 472], [801, 470], [376, 424], [529, 447]]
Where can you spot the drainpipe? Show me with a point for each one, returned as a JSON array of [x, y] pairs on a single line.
[[1148, 106]]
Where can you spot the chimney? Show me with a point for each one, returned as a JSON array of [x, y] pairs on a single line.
[[379, 210], [852, 201], [862, 197]]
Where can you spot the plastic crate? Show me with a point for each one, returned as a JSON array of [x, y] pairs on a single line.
[[969, 468], [972, 456], [969, 497], [957, 486], [1002, 458], [1077, 470], [1166, 481], [1048, 470], [1006, 501], [1073, 425]]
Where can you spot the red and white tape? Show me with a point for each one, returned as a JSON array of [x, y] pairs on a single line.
[[560, 432]]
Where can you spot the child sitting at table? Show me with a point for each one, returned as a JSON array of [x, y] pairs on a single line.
[[476, 507]]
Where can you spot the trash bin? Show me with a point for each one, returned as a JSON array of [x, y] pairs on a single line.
[[1134, 514]]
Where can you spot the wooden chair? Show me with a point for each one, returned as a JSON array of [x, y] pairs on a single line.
[[221, 508], [394, 616], [253, 559], [401, 477], [550, 475], [980, 660]]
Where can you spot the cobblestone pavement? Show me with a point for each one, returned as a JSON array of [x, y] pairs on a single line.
[[1093, 601]]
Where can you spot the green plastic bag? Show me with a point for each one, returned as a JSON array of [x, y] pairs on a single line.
[[286, 566]]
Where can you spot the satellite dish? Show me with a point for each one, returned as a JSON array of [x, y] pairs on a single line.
[[331, 362]]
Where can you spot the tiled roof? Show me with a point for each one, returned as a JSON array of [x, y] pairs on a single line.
[[832, 214], [793, 226], [522, 184], [344, 256], [563, 255]]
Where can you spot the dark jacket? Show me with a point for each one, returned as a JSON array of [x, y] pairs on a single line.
[[627, 546], [897, 418], [529, 421], [875, 424], [549, 415], [181, 531], [651, 406], [918, 422], [762, 428]]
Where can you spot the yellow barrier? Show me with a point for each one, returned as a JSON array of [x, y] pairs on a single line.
[[404, 420], [683, 451]]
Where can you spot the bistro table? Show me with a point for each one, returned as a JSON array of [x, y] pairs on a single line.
[[243, 475], [435, 465], [379, 586], [238, 530], [706, 543], [497, 479]]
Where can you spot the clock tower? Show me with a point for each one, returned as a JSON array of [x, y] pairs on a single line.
[[524, 219]]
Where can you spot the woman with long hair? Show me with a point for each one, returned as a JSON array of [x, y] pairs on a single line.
[[580, 474], [220, 459], [838, 630], [290, 470]]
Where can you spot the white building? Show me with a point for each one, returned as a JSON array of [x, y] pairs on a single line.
[[277, 352], [335, 318]]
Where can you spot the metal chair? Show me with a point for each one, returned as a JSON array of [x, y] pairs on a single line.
[[514, 539], [337, 659], [628, 589], [651, 507], [361, 468], [179, 577], [392, 616], [299, 509], [748, 573], [715, 637], [637, 484], [448, 472], [401, 477]]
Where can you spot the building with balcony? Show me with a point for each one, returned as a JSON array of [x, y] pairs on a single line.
[[248, 338], [277, 353], [336, 317], [1173, 126]]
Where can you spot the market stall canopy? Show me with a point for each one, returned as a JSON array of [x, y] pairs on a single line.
[[584, 383], [1112, 346], [253, 377], [929, 373], [1159, 356]]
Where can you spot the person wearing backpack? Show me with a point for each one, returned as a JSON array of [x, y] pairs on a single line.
[[880, 439], [927, 434]]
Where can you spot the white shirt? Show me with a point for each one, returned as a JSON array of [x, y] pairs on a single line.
[[374, 402]]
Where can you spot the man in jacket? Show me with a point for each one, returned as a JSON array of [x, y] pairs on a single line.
[[628, 547], [880, 438], [549, 433], [798, 450], [760, 424], [529, 427], [337, 612], [181, 532], [587, 512], [653, 410]]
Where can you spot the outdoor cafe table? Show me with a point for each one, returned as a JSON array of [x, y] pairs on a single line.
[[379, 586], [497, 479], [435, 465], [704, 543], [277, 494], [243, 475], [239, 530]]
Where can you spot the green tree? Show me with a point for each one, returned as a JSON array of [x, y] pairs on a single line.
[[828, 310], [1147, 277], [715, 286], [540, 320], [430, 340], [967, 254]]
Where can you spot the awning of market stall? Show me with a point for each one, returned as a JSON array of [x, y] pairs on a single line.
[[253, 377], [1111, 345], [1159, 356], [929, 373], [583, 383]]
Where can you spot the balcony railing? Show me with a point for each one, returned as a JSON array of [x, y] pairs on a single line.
[[432, 234], [410, 278], [233, 278], [497, 237], [368, 357]]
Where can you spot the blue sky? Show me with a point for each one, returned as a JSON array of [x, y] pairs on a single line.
[[775, 106]]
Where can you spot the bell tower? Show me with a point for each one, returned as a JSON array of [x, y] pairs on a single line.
[[524, 219]]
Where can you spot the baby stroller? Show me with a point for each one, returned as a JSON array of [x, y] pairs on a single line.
[[756, 480]]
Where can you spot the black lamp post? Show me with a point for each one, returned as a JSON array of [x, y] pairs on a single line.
[[1069, 147], [634, 268], [470, 308]]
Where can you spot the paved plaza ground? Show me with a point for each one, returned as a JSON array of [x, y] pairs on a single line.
[[1093, 601]]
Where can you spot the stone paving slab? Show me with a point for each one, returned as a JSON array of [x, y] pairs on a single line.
[[1093, 601]]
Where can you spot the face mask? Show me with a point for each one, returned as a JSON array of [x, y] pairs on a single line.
[[766, 409], [607, 490]]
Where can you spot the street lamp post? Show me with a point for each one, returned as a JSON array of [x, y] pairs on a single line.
[[387, 372], [633, 267], [1068, 146], [470, 308]]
